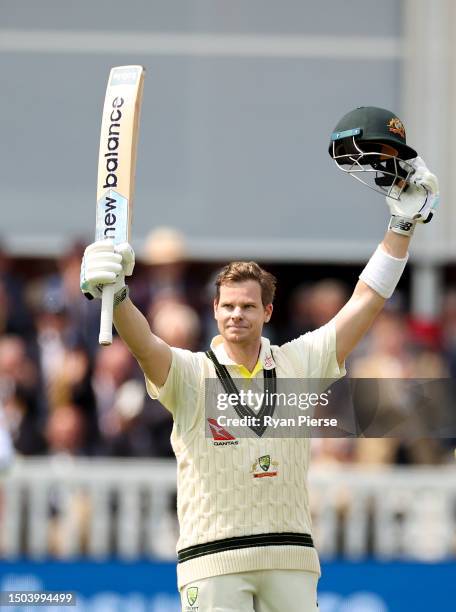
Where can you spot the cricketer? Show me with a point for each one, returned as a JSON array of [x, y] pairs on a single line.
[[246, 540]]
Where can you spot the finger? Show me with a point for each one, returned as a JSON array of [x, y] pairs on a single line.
[[125, 251], [100, 245], [105, 257], [111, 270], [103, 264], [100, 276]]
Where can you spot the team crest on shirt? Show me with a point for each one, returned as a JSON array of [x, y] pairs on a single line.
[[268, 363], [264, 467], [192, 596]]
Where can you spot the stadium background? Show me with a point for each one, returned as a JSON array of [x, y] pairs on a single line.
[[240, 100]]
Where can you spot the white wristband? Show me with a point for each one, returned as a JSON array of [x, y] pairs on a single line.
[[382, 272]]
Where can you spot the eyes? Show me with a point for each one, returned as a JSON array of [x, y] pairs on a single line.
[[229, 306]]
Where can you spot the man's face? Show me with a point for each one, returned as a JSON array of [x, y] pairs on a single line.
[[240, 313]]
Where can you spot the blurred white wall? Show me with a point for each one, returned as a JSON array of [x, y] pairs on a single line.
[[240, 100]]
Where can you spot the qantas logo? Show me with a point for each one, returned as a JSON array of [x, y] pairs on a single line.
[[221, 436]]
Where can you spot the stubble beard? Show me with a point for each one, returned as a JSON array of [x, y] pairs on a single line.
[[240, 339]]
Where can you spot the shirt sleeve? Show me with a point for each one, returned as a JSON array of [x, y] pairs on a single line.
[[314, 354], [180, 392]]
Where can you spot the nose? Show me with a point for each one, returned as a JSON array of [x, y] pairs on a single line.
[[237, 313]]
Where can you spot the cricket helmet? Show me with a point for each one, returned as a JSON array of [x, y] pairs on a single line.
[[369, 144]]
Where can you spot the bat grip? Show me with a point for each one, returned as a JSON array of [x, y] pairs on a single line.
[[107, 305]]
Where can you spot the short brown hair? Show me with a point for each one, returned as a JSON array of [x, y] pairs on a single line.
[[239, 271]]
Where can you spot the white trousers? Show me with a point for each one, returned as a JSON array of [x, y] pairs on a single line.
[[261, 591]]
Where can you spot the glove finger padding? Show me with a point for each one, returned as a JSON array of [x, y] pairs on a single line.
[[106, 246], [419, 198], [100, 277], [96, 263], [127, 257], [101, 265]]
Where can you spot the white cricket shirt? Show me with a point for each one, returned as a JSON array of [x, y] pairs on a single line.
[[230, 520]]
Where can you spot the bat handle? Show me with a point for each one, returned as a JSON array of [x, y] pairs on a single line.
[[107, 305]]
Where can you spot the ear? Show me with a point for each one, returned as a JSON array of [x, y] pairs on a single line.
[[268, 312], [215, 308]]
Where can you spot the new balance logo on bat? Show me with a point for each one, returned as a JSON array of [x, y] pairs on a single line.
[[110, 218], [221, 436], [112, 144]]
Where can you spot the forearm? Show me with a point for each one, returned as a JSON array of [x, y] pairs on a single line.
[[377, 283], [151, 352], [355, 318], [395, 244], [132, 327]]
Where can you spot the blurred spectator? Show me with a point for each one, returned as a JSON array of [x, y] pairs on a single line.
[[64, 366], [391, 355], [14, 315], [387, 350], [15, 365], [66, 435], [113, 366], [164, 254], [312, 306], [177, 324], [66, 431], [209, 324], [61, 294], [133, 436], [448, 329], [51, 322], [331, 452], [20, 396], [119, 418], [71, 382]]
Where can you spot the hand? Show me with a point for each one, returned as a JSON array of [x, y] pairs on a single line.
[[418, 200], [104, 263]]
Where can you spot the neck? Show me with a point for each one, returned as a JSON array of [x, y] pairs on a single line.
[[245, 355]]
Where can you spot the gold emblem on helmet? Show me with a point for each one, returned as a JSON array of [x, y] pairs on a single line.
[[396, 126]]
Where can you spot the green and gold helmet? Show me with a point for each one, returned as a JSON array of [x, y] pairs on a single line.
[[369, 143]]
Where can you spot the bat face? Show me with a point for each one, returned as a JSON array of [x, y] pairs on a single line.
[[117, 157], [116, 169]]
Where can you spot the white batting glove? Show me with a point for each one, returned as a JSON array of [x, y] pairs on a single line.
[[417, 202], [104, 263]]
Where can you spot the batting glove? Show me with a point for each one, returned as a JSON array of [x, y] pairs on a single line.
[[417, 202], [104, 263]]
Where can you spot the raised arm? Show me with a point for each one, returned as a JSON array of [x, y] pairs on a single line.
[[358, 314], [105, 264], [151, 352], [381, 275]]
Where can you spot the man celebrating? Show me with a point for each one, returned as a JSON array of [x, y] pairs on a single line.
[[245, 542]]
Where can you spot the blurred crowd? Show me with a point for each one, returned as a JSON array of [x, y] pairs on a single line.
[[60, 393]]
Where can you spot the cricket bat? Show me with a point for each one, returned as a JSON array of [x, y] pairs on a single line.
[[116, 169]]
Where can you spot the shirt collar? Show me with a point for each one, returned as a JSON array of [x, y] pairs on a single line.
[[265, 359]]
